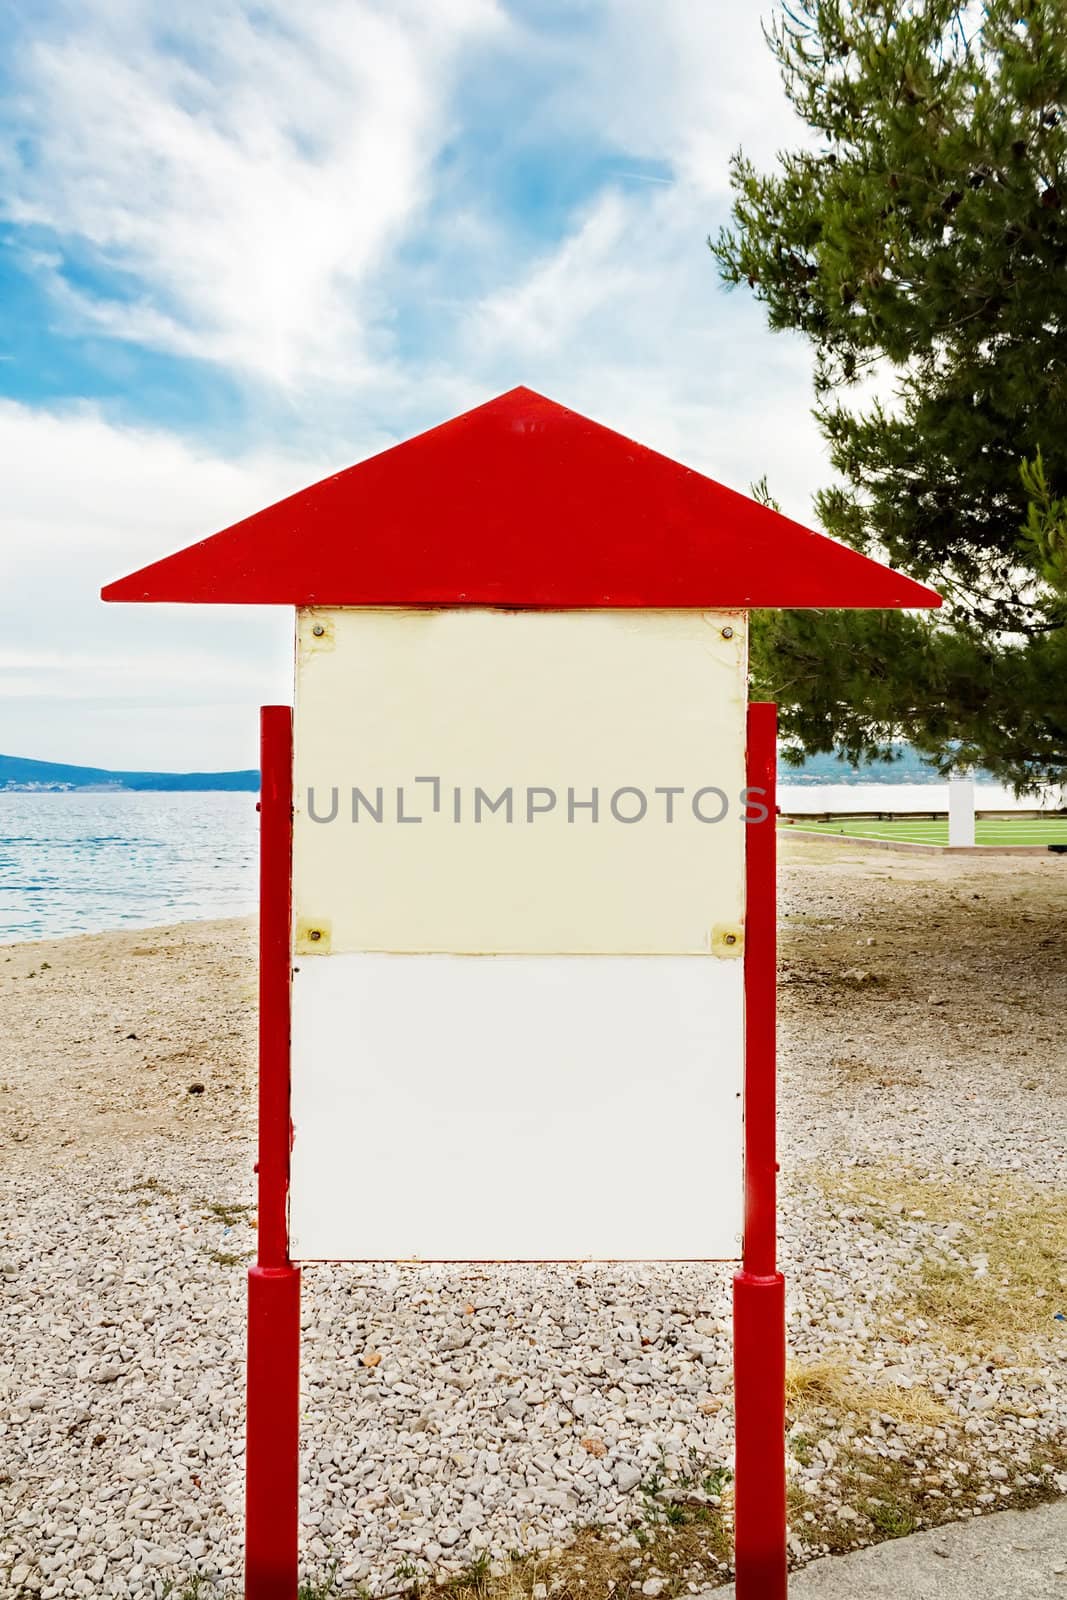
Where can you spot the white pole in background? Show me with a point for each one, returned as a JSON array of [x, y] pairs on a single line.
[[961, 809]]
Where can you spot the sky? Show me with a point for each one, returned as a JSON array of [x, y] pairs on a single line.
[[245, 243]]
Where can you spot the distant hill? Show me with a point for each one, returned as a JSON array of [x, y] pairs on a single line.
[[17, 773], [56, 776], [908, 767]]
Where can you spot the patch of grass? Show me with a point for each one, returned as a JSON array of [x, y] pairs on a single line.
[[926, 830], [717, 1481], [595, 1567], [473, 1583], [226, 1212], [1014, 1301], [854, 1070], [318, 1588], [881, 1501], [891, 1519], [150, 1184], [999, 1278], [650, 1488], [888, 1498], [832, 1384], [230, 1258], [677, 1535]]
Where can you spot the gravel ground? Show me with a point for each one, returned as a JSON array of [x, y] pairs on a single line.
[[451, 1412]]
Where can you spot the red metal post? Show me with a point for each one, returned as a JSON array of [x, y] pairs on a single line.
[[272, 1454], [759, 1288]]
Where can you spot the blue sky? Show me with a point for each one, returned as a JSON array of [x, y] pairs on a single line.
[[243, 245]]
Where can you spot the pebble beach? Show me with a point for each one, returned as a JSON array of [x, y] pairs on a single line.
[[453, 1416]]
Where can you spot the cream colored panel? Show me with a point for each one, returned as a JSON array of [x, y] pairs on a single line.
[[473, 1108], [546, 707]]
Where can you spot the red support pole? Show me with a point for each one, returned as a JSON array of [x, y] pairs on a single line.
[[273, 1422], [759, 1288]]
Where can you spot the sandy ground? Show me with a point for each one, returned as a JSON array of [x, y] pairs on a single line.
[[914, 988], [107, 1035], [923, 1014]]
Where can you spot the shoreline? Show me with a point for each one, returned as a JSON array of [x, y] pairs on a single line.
[[145, 929]]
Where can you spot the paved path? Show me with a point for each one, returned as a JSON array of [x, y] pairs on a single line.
[[1011, 1555]]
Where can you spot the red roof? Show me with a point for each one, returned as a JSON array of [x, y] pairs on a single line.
[[523, 503]]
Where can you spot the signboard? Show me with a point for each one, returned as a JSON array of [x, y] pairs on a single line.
[[518, 895], [517, 927]]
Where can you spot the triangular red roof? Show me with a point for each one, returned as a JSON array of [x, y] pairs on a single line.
[[523, 503]]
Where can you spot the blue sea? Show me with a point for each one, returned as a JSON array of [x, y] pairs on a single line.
[[89, 862], [93, 861]]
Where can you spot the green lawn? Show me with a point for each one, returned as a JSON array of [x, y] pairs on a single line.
[[920, 830]]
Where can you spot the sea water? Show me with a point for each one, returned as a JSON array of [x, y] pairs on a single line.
[[90, 861]]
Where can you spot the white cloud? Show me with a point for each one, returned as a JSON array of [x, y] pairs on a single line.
[[245, 171], [567, 287], [84, 675], [84, 501], [251, 175], [675, 81], [75, 482]]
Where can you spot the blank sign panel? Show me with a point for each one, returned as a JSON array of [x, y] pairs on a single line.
[[526, 780], [475, 1108]]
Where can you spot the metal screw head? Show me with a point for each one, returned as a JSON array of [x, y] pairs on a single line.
[[727, 633], [728, 938], [318, 630], [314, 934]]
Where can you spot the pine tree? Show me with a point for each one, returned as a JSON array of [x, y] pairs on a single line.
[[919, 240]]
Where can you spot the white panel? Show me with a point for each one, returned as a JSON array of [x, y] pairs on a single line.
[[560, 701], [961, 810], [516, 1108]]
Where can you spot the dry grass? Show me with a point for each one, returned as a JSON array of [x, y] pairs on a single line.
[[879, 1491], [1015, 1300], [679, 1535], [892, 1498], [997, 1279], [831, 1384], [856, 1072], [595, 1567]]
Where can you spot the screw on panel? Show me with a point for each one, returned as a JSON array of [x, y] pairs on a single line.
[[727, 633], [315, 937], [318, 630], [727, 940]]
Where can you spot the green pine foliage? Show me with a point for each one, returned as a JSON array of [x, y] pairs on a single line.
[[918, 237]]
